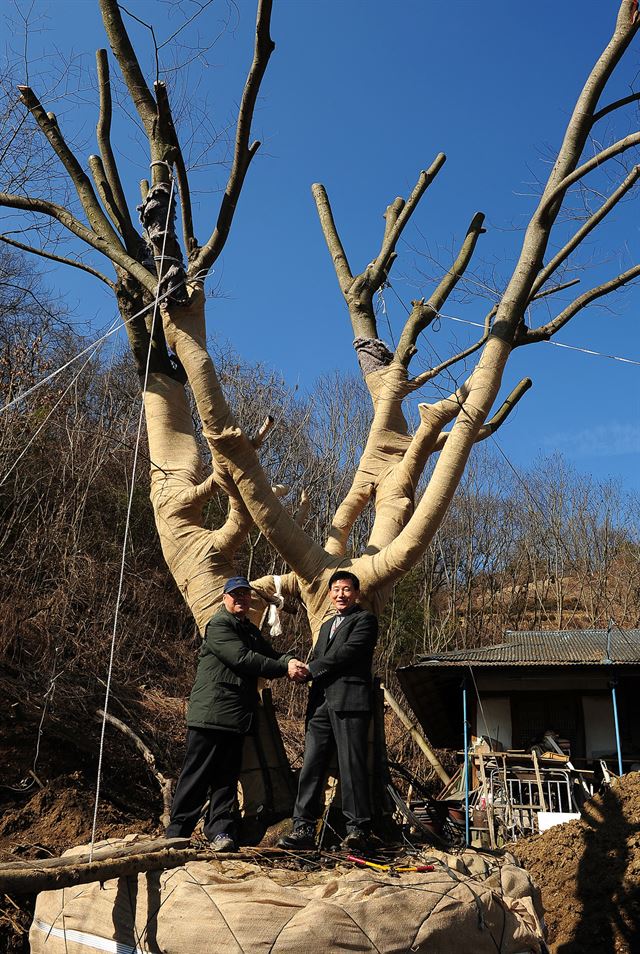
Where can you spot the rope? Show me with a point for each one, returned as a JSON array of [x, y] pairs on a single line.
[[98, 341], [556, 344], [48, 417], [126, 534]]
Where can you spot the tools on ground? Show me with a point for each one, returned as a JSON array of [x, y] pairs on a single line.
[[390, 869]]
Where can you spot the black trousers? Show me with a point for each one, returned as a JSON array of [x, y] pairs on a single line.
[[346, 733], [211, 769]]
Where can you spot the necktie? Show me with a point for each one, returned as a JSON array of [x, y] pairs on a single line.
[[336, 622]]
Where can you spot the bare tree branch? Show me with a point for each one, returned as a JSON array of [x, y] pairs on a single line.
[[632, 98], [165, 784], [49, 126], [544, 332], [423, 312], [104, 190], [103, 135], [358, 292], [170, 134], [510, 316], [597, 160], [392, 234], [58, 258], [585, 229], [498, 418], [330, 232], [555, 288], [116, 253], [124, 53], [426, 376], [244, 153], [391, 215]]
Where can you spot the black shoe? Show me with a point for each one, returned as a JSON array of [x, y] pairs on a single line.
[[223, 842], [302, 836], [358, 840]]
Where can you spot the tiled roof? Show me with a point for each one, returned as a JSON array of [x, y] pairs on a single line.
[[570, 647]]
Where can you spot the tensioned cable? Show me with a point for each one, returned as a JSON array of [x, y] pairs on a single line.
[[556, 344], [126, 529], [49, 415], [98, 341]]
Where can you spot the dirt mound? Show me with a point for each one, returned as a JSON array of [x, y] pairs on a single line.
[[46, 811], [49, 822], [589, 874], [59, 816]]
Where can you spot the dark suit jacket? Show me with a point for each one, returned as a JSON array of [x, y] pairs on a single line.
[[341, 669]]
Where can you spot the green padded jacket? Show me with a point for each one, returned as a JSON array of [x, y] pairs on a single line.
[[232, 658]]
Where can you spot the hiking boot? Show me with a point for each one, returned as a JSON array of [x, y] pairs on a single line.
[[302, 836], [223, 842], [358, 840]]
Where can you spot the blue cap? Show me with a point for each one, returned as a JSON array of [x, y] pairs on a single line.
[[236, 583]]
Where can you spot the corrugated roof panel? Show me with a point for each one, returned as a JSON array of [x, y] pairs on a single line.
[[543, 647]]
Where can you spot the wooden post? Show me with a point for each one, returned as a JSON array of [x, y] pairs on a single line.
[[543, 804], [417, 737], [488, 803]]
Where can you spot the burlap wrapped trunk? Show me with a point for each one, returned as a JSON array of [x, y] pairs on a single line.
[[466, 904]]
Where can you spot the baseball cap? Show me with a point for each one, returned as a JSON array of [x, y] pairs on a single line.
[[236, 583]]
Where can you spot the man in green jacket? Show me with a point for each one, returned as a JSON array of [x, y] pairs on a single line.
[[220, 712]]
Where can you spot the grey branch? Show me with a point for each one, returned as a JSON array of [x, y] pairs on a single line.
[[423, 313], [618, 104], [584, 230], [555, 288], [116, 253], [243, 153], [58, 258], [391, 215], [358, 291], [393, 233], [128, 62], [330, 232], [544, 332], [103, 135], [508, 324], [428, 375], [498, 418], [49, 126], [622, 145]]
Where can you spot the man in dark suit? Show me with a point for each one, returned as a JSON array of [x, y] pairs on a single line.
[[338, 717]]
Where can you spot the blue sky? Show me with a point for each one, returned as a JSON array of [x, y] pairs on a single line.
[[360, 95]]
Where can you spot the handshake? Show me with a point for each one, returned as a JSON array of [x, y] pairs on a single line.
[[298, 671]]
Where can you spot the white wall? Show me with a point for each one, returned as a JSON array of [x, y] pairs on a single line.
[[599, 728], [497, 716]]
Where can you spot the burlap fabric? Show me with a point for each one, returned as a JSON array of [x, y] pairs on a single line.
[[238, 908]]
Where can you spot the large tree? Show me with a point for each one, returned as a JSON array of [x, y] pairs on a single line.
[[169, 344]]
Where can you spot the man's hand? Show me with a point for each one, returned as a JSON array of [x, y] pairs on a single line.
[[298, 671]]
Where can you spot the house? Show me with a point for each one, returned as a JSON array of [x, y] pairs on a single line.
[[576, 682]]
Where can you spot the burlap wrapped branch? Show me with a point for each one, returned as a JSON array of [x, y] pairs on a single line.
[[235, 907]]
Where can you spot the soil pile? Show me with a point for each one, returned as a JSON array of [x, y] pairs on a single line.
[[46, 811], [589, 874]]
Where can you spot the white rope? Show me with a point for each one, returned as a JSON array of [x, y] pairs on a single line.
[[112, 331], [126, 534], [273, 615], [556, 344], [49, 415]]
